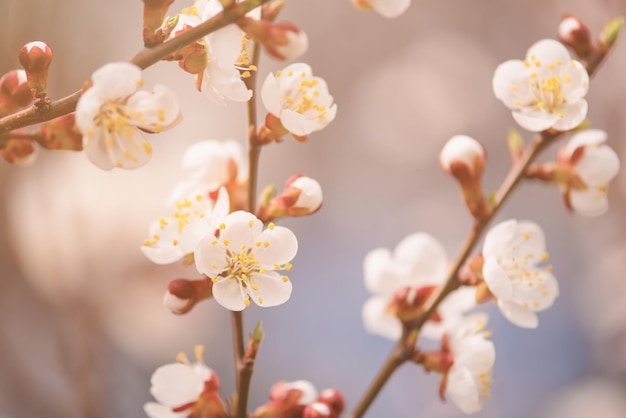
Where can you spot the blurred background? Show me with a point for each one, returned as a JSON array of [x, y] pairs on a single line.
[[82, 326]]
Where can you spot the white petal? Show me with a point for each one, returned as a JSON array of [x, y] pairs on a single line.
[[597, 166], [377, 321], [228, 293], [589, 202], [497, 279], [272, 290], [529, 240], [475, 353], [309, 393], [586, 138], [463, 390], [391, 8], [578, 85], [548, 51], [537, 294], [498, 239], [426, 257], [510, 84], [271, 95], [193, 234], [154, 110], [116, 80], [573, 115], [296, 123], [535, 120], [96, 150], [518, 315], [225, 45], [155, 410], [297, 44], [282, 247], [87, 108], [241, 229], [210, 259], [381, 275], [225, 82], [176, 384], [162, 254]]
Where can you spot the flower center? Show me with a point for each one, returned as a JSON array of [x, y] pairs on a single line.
[[303, 99]]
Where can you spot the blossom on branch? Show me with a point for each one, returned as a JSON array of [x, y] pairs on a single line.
[[544, 91], [185, 390], [226, 59], [514, 253], [468, 379], [593, 165], [419, 263], [300, 399], [112, 111], [241, 259], [386, 8], [174, 238], [210, 164], [297, 102]]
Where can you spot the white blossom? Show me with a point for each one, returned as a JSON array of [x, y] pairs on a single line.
[[419, 260], [386, 8], [110, 113], [515, 254], [300, 100], [473, 357], [241, 261], [210, 164], [595, 164], [544, 91], [173, 238]]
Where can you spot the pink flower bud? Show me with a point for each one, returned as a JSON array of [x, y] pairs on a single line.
[[36, 57], [61, 133], [317, 410], [462, 155], [301, 196], [334, 399], [309, 193], [575, 34], [20, 152], [282, 40], [183, 294], [296, 42], [14, 92]]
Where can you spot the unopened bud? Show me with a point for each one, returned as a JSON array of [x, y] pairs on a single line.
[[575, 34], [183, 294], [19, 151], [611, 32], [464, 158], [14, 92], [317, 410], [334, 399], [61, 134], [36, 57], [287, 399], [301, 196]]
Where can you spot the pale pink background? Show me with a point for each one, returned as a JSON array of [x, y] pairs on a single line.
[[81, 321]]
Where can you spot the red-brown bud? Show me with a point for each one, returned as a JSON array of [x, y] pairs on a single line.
[[409, 303], [36, 57], [282, 40], [19, 151], [183, 294], [61, 134], [334, 399], [575, 34], [301, 196]]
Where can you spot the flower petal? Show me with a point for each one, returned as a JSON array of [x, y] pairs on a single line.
[[377, 321], [270, 95], [586, 138], [597, 166], [537, 294], [518, 315], [425, 256], [548, 51], [210, 256], [572, 116], [535, 120], [162, 255], [240, 229], [176, 384], [278, 246], [497, 280], [155, 110], [463, 390], [589, 202], [510, 84], [272, 289], [382, 277], [391, 8], [116, 80], [498, 239], [528, 242], [228, 293]]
